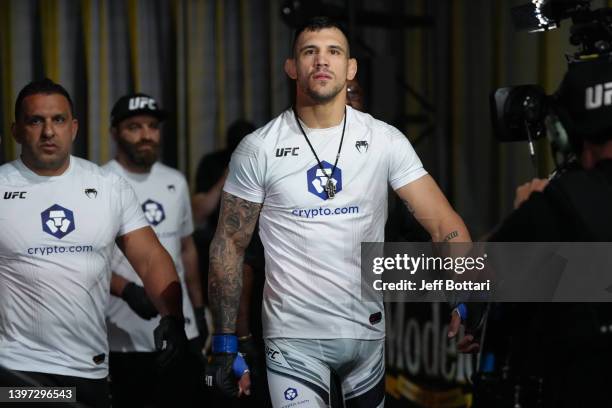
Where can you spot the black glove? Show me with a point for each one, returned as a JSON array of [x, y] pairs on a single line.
[[225, 365], [200, 319], [171, 341], [136, 297]]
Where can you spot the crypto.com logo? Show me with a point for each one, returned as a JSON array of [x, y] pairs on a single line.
[[316, 179], [153, 211], [57, 221], [291, 394]]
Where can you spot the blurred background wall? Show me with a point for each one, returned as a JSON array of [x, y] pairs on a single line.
[[426, 66]]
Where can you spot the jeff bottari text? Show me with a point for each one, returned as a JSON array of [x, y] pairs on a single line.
[[410, 265]]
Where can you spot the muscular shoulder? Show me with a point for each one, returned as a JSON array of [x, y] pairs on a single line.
[[265, 135], [269, 135], [377, 127]]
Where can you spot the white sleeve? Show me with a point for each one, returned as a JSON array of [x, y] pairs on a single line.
[[187, 220], [130, 213], [404, 164], [247, 170]]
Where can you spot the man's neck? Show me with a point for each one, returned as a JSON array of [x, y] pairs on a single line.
[[321, 116], [129, 166], [46, 172]]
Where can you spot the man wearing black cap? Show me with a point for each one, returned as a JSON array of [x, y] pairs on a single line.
[[164, 197], [566, 346]]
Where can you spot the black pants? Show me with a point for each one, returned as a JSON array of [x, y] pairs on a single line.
[[89, 392], [137, 382]]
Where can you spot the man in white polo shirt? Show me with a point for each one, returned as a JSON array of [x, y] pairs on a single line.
[[60, 218], [131, 318]]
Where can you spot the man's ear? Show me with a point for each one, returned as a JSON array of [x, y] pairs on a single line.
[[290, 69], [114, 132], [75, 128], [352, 69]]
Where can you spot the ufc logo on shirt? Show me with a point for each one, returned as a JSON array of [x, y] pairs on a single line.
[[285, 151], [9, 195]]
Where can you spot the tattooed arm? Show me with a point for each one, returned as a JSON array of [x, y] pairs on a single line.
[[236, 223], [433, 211]]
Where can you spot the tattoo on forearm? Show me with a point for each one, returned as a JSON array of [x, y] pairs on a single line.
[[450, 236], [234, 230]]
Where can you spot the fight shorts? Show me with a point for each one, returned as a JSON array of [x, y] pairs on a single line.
[[300, 372]]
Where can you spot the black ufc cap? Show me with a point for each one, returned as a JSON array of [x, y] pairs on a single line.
[[136, 104]]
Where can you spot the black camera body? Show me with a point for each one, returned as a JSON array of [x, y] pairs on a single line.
[[578, 110]]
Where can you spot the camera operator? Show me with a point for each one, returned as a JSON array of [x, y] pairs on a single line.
[[565, 347]]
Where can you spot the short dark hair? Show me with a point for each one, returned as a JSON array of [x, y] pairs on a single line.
[[316, 24], [43, 86]]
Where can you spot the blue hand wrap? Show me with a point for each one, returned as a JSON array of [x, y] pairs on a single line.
[[240, 366], [224, 343], [228, 343], [463, 311]]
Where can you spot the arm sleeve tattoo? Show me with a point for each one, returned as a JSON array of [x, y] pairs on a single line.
[[236, 224]]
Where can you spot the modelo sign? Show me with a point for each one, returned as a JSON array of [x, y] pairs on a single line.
[[424, 368]]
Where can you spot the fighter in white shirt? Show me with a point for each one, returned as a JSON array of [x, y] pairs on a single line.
[[164, 196], [61, 217], [318, 174]]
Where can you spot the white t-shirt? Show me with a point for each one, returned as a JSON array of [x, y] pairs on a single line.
[[56, 243], [164, 197], [312, 243]]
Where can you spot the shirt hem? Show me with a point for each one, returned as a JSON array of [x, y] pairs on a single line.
[[46, 369], [405, 180], [233, 190]]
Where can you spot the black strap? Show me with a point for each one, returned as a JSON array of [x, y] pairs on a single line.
[[297, 119]]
